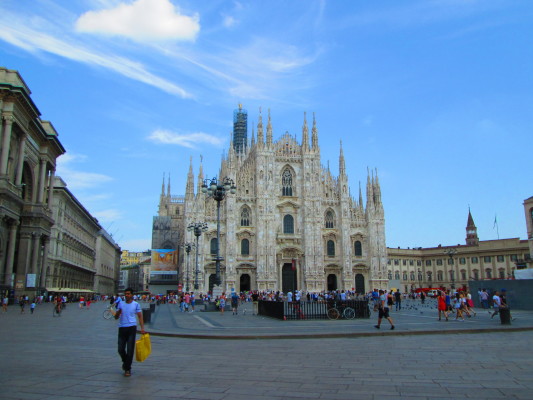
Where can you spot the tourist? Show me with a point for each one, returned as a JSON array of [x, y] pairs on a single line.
[[126, 312], [383, 310], [441, 305]]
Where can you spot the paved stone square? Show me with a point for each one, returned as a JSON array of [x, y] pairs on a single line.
[[74, 357]]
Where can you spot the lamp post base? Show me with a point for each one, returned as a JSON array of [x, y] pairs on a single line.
[[217, 291]]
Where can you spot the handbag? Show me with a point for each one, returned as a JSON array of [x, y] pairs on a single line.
[[143, 348]]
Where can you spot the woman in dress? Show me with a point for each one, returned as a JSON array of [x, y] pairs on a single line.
[[441, 305]]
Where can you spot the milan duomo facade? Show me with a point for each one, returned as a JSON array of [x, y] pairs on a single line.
[[291, 225]]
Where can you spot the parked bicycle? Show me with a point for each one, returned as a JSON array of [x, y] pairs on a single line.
[[110, 311], [338, 310]]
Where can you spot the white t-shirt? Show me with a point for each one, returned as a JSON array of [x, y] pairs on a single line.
[[128, 316], [497, 302]]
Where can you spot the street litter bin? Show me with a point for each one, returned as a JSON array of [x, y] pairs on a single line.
[[146, 315], [505, 316]]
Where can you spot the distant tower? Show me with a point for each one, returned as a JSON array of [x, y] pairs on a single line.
[[471, 231], [240, 130]]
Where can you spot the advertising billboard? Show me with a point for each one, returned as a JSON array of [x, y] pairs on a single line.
[[163, 261]]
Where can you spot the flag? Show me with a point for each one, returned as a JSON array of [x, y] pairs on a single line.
[[495, 222]]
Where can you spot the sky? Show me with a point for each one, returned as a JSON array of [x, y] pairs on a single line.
[[435, 94]]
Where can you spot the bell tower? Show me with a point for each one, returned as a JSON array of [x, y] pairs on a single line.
[[471, 231]]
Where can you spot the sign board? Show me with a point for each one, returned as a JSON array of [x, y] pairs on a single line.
[[30, 280]]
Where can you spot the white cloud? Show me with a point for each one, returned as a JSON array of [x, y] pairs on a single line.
[[228, 21], [18, 34], [78, 179], [191, 140], [142, 20], [108, 215]]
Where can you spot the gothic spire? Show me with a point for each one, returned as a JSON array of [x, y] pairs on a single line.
[[189, 190], [200, 175], [260, 137], [269, 130], [253, 136], [314, 138], [342, 164], [168, 186], [360, 197], [305, 135], [472, 238], [163, 186]]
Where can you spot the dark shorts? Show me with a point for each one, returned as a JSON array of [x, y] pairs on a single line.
[[384, 312]]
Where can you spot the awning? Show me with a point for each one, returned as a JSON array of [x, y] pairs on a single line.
[[68, 290]]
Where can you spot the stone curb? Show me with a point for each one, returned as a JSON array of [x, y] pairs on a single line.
[[335, 335]]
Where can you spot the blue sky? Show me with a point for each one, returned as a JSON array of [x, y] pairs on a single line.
[[435, 94]]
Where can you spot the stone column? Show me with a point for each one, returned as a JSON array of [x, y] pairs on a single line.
[[42, 278], [42, 177], [36, 244], [11, 253], [51, 188], [6, 140], [20, 165]]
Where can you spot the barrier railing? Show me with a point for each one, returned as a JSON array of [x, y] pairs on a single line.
[[303, 310]]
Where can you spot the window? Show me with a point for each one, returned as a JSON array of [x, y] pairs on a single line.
[[488, 273], [463, 275], [450, 261], [439, 275], [213, 246], [288, 224], [439, 262], [389, 262], [487, 259], [476, 274], [474, 260], [331, 248], [396, 262], [245, 216], [397, 275], [404, 275], [514, 257], [429, 276], [286, 183], [404, 262], [411, 262], [245, 247], [428, 263], [330, 220], [419, 263], [501, 273], [462, 261], [412, 275], [499, 258], [358, 248], [390, 275]]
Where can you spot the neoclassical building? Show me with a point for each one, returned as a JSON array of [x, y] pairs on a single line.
[[29, 149], [290, 225]]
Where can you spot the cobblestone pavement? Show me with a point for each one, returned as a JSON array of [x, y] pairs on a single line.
[[74, 357]]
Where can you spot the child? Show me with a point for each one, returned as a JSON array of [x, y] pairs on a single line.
[[32, 307]]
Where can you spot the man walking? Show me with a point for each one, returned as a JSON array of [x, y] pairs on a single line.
[[398, 299], [383, 310], [127, 328]]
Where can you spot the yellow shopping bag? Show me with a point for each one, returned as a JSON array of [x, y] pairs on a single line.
[[143, 348]]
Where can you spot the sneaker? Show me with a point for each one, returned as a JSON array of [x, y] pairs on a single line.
[[127, 373], [392, 328], [376, 326]]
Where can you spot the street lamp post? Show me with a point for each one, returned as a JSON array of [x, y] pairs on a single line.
[[188, 247], [218, 191], [451, 252], [197, 228]]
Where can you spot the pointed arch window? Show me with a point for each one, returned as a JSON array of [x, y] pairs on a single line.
[[245, 247], [330, 220], [245, 216], [286, 183], [288, 224], [331, 248], [358, 248]]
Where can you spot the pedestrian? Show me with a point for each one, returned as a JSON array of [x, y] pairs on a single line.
[[126, 312], [484, 296], [22, 304], [32, 306], [234, 303], [457, 304], [5, 302], [496, 304], [222, 302], [441, 305], [193, 301], [398, 299], [383, 310], [82, 302], [423, 297]]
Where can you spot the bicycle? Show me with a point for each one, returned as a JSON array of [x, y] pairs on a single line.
[[109, 312], [56, 312], [335, 312]]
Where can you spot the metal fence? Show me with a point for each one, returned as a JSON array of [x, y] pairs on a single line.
[[304, 310]]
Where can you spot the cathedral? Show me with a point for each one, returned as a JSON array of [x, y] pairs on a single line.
[[291, 225]]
